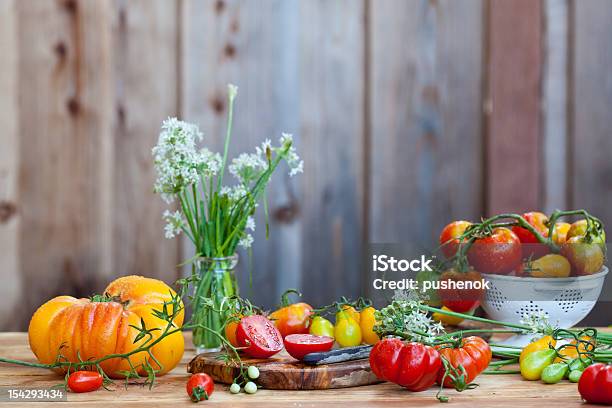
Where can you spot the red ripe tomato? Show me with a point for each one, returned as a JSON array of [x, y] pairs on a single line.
[[595, 385], [259, 337], [532, 248], [84, 381], [460, 300], [448, 237], [499, 253], [298, 345], [200, 387], [474, 355], [292, 319], [414, 366]]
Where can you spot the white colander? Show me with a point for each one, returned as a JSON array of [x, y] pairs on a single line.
[[565, 301]]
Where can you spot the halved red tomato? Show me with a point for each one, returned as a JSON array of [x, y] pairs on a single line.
[[298, 345], [259, 337]]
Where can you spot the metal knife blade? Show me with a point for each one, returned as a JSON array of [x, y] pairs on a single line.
[[338, 355]]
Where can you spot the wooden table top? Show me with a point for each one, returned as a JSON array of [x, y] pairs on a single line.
[[494, 390]]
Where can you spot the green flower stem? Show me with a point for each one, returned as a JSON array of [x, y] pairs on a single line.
[[501, 372]]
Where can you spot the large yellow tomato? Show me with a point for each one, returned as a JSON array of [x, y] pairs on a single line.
[[93, 329]]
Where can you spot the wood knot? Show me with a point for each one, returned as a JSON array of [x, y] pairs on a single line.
[[71, 6], [287, 213], [7, 210], [60, 50], [73, 105], [230, 50], [219, 6], [121, 113], [217, 104]]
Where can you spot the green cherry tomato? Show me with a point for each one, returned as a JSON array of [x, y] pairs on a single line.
[[320, 326], [234, 388], [347, 331], [554, 373], [253, 372], [578, 364], [534, 363], [574, 376], [250, 387]]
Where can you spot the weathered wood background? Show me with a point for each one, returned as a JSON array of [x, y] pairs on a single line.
[[408, 114]]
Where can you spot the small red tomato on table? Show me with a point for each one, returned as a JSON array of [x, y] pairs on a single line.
[[200, 387], [498, 253], [85, 381]]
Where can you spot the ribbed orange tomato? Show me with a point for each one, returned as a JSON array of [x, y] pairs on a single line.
[[96, 329]]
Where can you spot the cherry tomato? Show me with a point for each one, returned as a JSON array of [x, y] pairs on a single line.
[[474, 355], [200, 387], [414, 366], [579, 228], [499, 253], [595, 384], [586, 258], [347, 331], [449, 242], [298, 345], [230, 330], [320, 326], [366, 324], [292, 319], [535, 362], [543, 343], [568, 353], [85, 381], [259, 337], [460, 300], [560, 232], [352, 313], [550, 266]]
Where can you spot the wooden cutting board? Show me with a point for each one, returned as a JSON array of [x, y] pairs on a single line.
[[283, 372]]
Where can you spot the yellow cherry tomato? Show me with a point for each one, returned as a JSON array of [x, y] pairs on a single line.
[[447, 319], [569, 353], [550, 266], [347, 331], [354, 314], [542, 343], [320, 326], [366, 324]]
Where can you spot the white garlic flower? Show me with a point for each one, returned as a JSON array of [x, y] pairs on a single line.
[[296, 165], [246, 241], [250, 223], [174, 223]]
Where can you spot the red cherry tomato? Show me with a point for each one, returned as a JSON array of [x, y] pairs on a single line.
[[532, 248], [499, 253], [298, 345], [474, 355], [292, 319], [84, 381], [200, 387], [460, 300], [448, 237], [259, 337], [414, 366], [595, 385]]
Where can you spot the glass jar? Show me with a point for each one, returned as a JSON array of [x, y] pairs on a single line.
[[217, 281]]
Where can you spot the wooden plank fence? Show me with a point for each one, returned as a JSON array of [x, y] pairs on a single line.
[[408, 114]]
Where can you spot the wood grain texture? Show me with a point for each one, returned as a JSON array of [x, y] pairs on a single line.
[[64, 109], [283, 372], [493, 390], [332, 134], [555, 104], [253, 45], [591, 143], [513, 136], [9, 164], [425, 91], [145, 43]]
